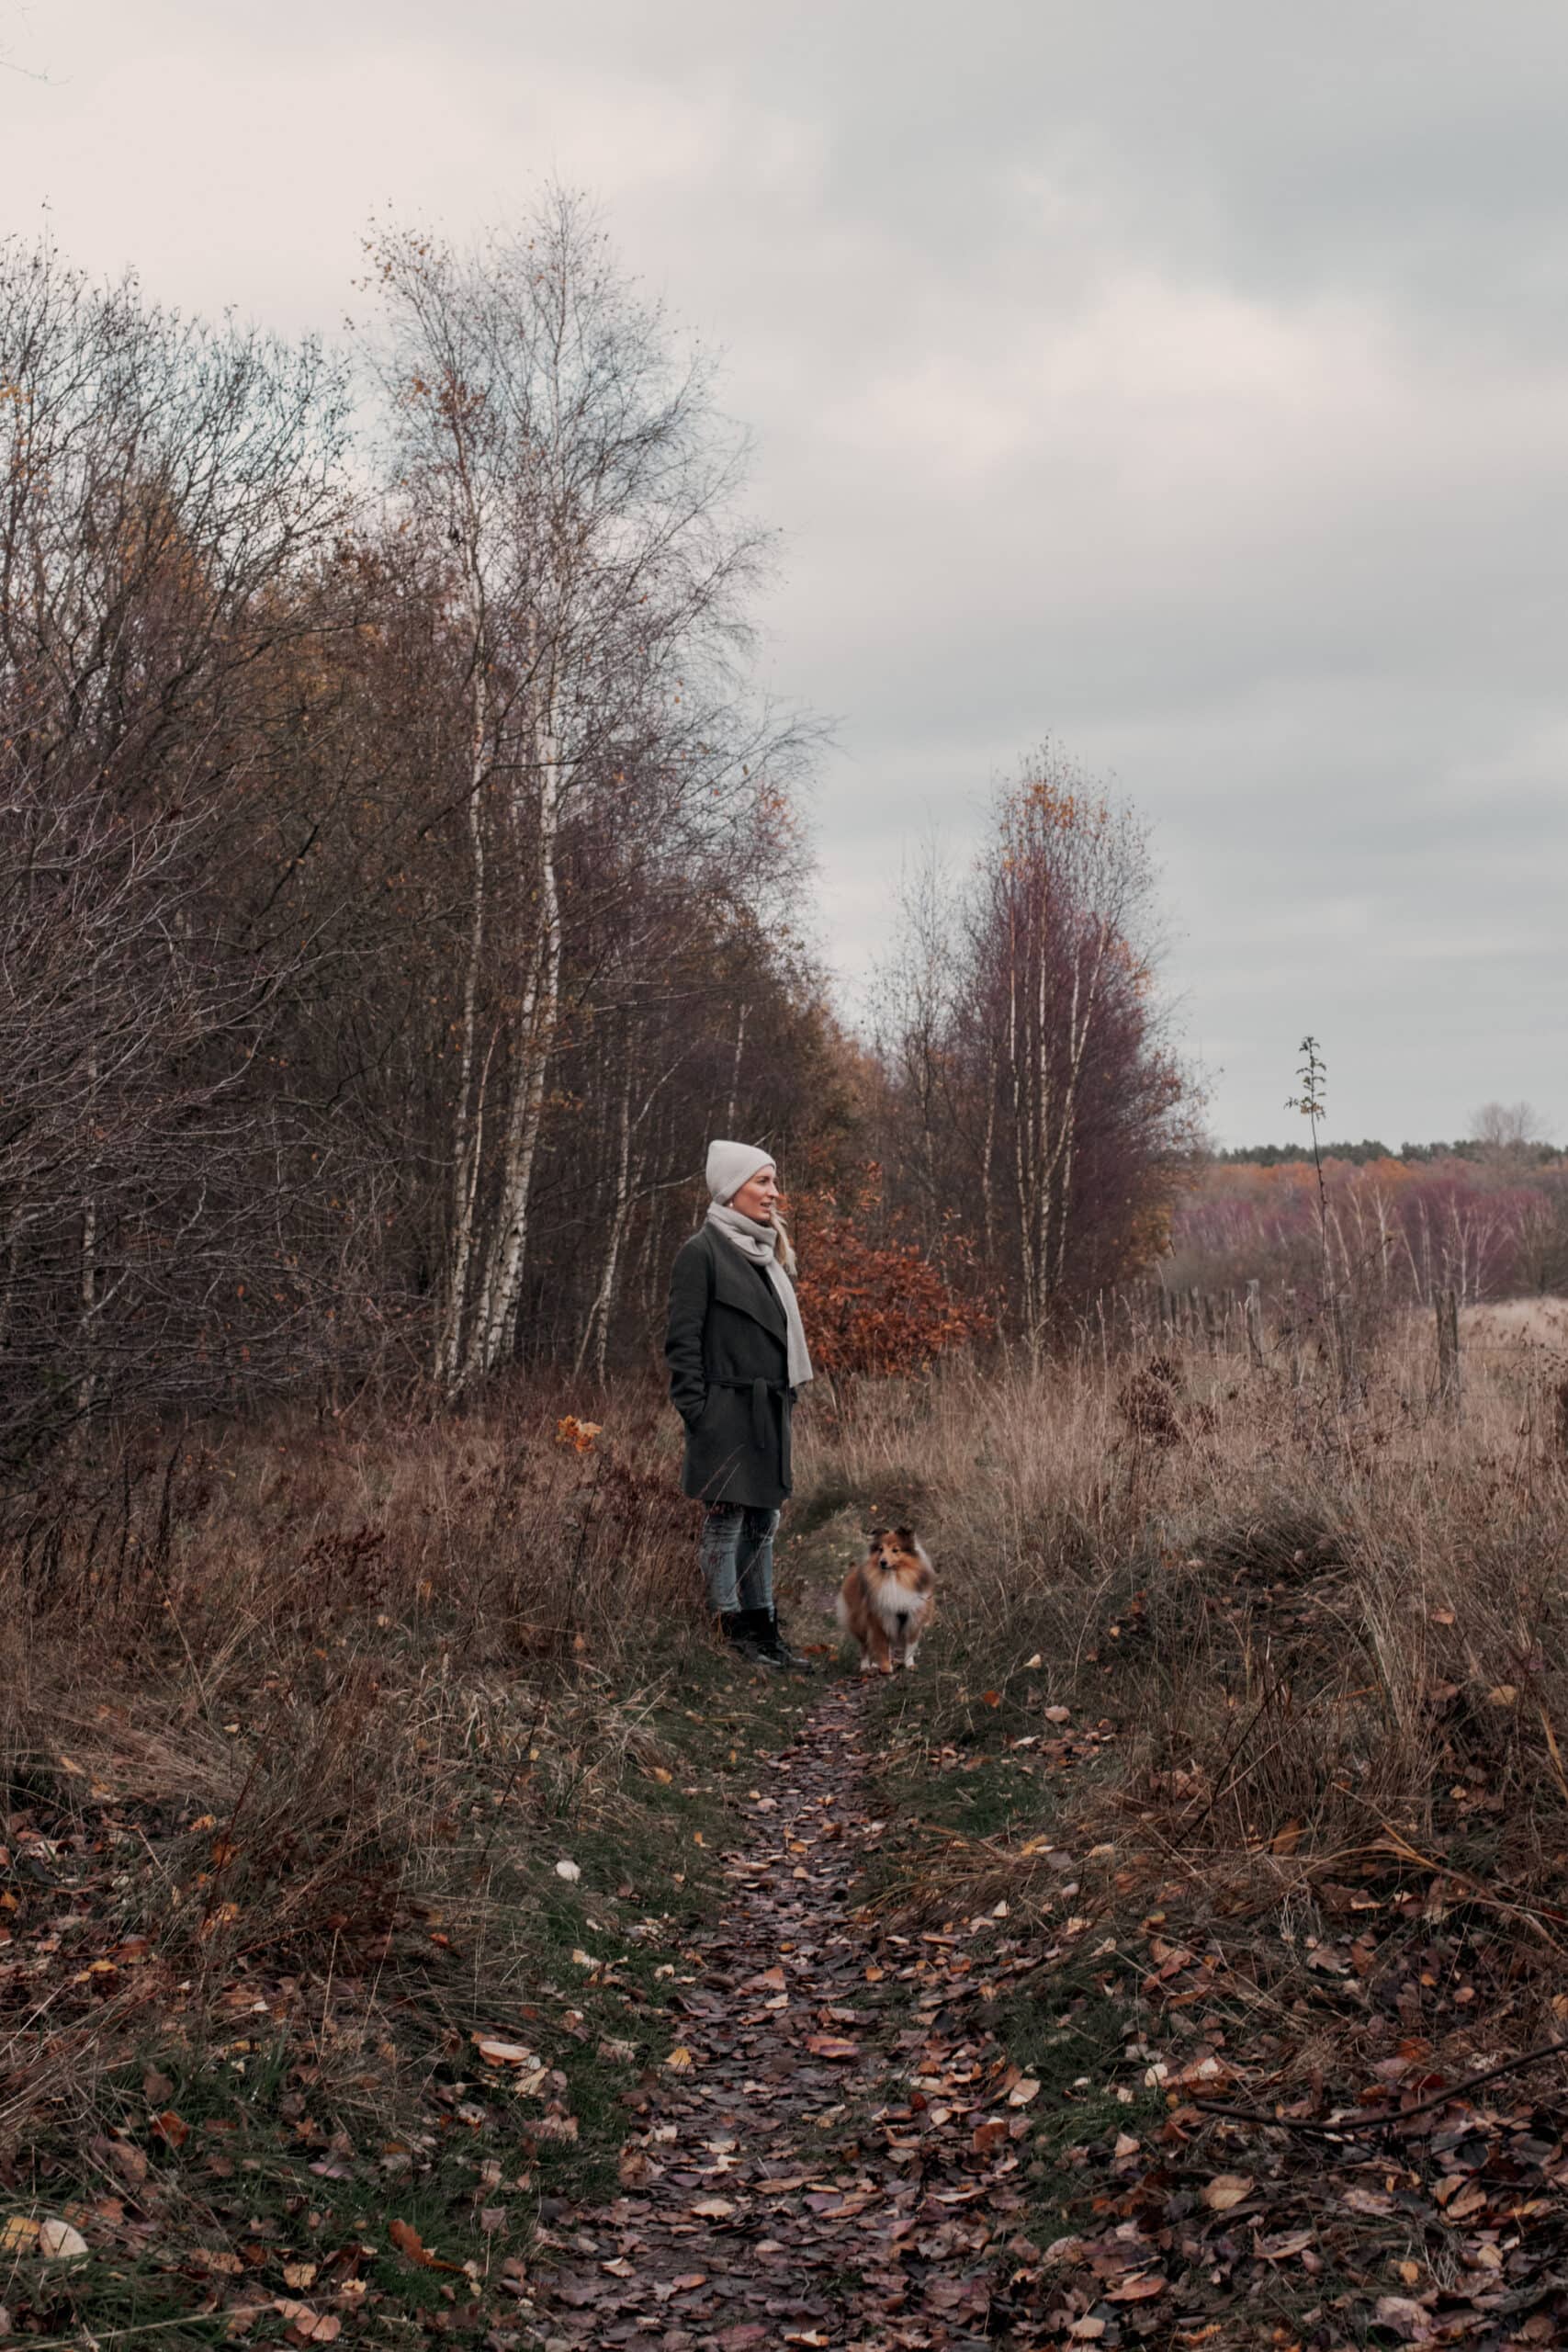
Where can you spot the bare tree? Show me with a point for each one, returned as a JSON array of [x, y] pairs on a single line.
[[163, 486], [1508, 1133], [1024, 1052], [580, 480], [380, 874]]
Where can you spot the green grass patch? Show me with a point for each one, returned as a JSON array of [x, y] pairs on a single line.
[[289, 2141]]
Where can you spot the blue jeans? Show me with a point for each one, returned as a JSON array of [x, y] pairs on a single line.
[[736, 1554]]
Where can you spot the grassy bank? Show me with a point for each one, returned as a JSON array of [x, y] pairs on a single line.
[[1252, 1713], [366, 1788]]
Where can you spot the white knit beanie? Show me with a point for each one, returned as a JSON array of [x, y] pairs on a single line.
[[731, 1165]]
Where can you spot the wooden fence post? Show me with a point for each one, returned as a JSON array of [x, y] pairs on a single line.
[[1448, 1346], [1255, 1323]]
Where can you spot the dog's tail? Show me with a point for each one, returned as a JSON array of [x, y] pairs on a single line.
[[841, 1611]]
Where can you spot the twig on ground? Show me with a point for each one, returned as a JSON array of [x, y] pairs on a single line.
[[1396, 2116]]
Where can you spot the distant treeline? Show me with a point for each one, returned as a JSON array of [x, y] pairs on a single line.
[[1360, 1155]]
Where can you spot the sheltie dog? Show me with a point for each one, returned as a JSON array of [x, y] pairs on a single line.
[[888, 1599]]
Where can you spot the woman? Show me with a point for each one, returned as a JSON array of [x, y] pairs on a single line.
[[738, 1360]]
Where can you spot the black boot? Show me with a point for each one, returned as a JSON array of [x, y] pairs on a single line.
[[743, 1633], [772, 1645]]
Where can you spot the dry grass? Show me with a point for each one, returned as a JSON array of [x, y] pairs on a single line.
[[1323, 1651], [297, 1722]]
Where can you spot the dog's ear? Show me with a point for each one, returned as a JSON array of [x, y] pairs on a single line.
[[905, 1538], [878, 1536]]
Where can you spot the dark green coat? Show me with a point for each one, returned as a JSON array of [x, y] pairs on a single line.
[[727, 1349]]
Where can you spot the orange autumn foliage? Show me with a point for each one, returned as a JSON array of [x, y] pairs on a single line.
[[875, 1306]]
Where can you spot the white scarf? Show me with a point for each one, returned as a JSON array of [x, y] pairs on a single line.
[[760, 1244]]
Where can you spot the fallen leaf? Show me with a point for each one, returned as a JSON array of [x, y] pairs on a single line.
[[305, 2326], [831, 2045], [503, 2054], [406, 2240], [1225, 2189], [58, 2242], [569, 1870], [712, 2208], [1139, 2290], [1409, 2318], [128, 2161], [1289, 2243]]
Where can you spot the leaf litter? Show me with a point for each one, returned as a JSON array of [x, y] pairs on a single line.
[[845, 2159], [839, 2163]]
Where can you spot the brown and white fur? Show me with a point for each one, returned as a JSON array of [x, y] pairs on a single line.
[[888, 1598]]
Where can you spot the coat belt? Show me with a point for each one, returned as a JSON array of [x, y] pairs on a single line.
[[759, 1390]]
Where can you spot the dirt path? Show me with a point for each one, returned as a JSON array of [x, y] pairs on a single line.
[[833, 2158]]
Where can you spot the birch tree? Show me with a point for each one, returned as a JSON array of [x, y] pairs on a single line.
[[572, 467]]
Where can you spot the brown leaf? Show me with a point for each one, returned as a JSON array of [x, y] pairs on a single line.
[[307, 2326], [1139, 2290], [1281, 2248], [156, 2089], [1409, 2318], [1367, 2201], [406, 2240], [1225, 2189], [128, 2161], [831, 2045], [712, 2208], [172, 2128]]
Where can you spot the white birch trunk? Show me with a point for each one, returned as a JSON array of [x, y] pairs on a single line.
[[496, 1309], [596, 1330], [470, 1138]]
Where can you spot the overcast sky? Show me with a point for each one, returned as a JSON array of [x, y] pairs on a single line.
[[1183, 381]]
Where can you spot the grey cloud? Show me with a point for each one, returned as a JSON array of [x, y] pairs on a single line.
[[1189, 384]]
